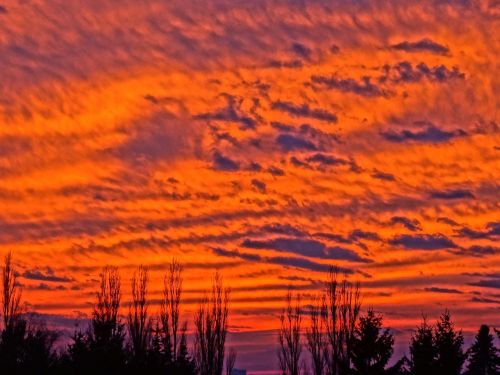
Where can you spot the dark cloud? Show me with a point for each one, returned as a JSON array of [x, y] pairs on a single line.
[[304, 110], [405, 72], [45, 275], [431, 134], [423, 45], [423, 242], [232, 112], [259, 185], [443, 290], [301, 50], [447, 220], [285, 229], [383, 176], [305, 247], [223, 163], [325, 159], [359, 234], [410, 224], [289, 142], [280, 261], [492, 229], [275, 171], [451, 194], [485, 300], [3, 10], [364, 87], [487, 283], [477, 250]]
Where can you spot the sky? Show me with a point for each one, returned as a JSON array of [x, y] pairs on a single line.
[[268, 140]]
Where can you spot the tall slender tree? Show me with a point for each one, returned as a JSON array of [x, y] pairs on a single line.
[[343, 304], [139, 322], [450, 355], [170, 309], [423, 350], [290, 345], [316, 338], [211, 324], [484, 358]]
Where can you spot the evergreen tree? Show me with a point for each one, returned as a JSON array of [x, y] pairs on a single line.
[[372, 346], [423, 351], [450, 356], [484, 358]]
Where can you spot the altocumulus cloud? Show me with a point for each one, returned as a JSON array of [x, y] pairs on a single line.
[[423, 242]]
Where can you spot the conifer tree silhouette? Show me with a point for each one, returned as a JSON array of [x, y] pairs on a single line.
[[484, 358], [423, 350], [450, 356], [372, 347]]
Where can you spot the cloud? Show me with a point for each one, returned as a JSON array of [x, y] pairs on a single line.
[[45, 275], [325, 159], [452, 194], [487, 283], [477, 250], [280, 261], [431, 134], [364, 87], [423, 45], [232, 112], [259, 185], [289, 143], [223, 163], [423, 242], [305, 247], [405, 72], [447, 220], [492, 229], [359, 234], [304, 110], [301, 50], [413, 225], [286, 229], [443, 290], [383, 176]]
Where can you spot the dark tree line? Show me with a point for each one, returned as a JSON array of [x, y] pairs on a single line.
[[331, 337], [339, 340], [140, 343]]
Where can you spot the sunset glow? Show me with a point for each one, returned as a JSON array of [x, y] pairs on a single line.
[[268, 140]]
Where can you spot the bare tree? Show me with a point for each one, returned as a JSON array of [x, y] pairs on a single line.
[[230, 361], [139, 321], [211, 323], [105, 322], [289, 338], [343, 305], [11, 295], [170, 311], [316, 336]]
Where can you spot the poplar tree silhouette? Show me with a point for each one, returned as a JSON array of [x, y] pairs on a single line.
[[372, 347], [290, 346], [484, 358], [450, 356]]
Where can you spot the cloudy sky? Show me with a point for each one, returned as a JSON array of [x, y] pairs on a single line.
[[266, 139]]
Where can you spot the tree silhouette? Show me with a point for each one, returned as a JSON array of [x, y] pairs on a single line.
[[14, 326], [423, 350], [290, 347], [484, 357], [230, 361], [342, 311], [211, 322], [371, 347], [139, 322], [316, 337], [170, 311], [450, 356]]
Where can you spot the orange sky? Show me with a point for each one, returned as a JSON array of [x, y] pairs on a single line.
[[266, 139]]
